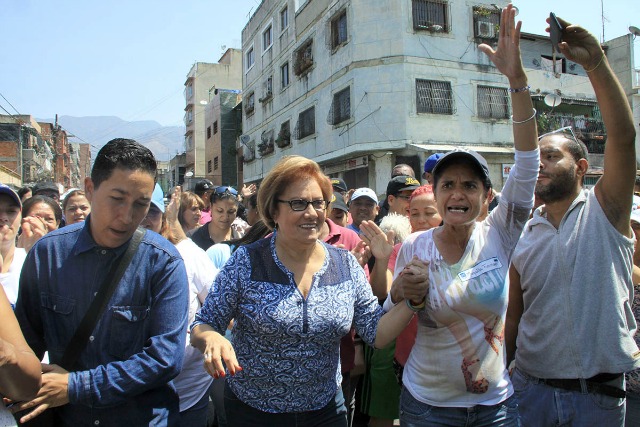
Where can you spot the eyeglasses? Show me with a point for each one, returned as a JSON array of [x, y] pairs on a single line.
[[568, 130], [300, 205], [226, 189]]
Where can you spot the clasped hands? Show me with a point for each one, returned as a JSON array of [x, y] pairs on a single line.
[[412, 283]]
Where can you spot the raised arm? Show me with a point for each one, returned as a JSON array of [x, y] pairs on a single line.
[[614, 190], [506, 57]]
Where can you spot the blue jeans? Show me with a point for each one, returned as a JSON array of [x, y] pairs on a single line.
[[632, 417], [334, 414], [542, 405], [414, 413], [197, 414]]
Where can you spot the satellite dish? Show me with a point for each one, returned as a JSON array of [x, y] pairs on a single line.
[[634, 30], [203, 102], [244, 139], [553, 100], [188, 174]]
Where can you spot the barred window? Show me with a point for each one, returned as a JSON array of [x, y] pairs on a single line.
[[340, 107], [431, 15], [493, 102], [215, 127], [209, 166], [339, 29], [208, 132], [303, 58], [216, 163], [433, 96], [306, 123]]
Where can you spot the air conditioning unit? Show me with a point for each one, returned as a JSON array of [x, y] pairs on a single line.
[[485, 30]]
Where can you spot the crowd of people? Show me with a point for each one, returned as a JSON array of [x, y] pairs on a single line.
[[304, 302]]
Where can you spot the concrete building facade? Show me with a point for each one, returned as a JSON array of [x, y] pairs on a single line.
[[202, 80], [360, 86]]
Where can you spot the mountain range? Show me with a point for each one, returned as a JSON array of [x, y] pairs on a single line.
[[163, 141]]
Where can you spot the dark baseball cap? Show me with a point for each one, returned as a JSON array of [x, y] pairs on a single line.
[[459, 153], [203, 185], [46, 186], [401, 183], [431, 162], [337, 202], [5, 189], [338, 184]]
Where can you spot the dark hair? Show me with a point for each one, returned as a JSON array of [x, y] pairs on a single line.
[[486, 181], [252, 200], [255, 233], [23, 190], [223, 196], [32, 201], [124, 154], [577, 149]]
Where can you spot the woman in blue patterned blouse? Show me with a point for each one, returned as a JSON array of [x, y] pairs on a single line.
[[292, 298]]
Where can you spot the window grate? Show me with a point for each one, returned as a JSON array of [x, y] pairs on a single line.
[[431, 15], [434, 97], [493, 102], [340, 107], [339, 30], [306, 124]]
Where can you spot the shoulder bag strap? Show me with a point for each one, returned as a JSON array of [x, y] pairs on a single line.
[[90, 319]]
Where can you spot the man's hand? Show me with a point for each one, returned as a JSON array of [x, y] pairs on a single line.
[[54, 392], [579, 45], [381, 244]]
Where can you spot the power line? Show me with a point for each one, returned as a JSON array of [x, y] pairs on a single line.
[[14, 108]]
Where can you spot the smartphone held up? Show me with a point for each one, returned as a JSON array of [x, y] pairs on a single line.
[[555, 33]]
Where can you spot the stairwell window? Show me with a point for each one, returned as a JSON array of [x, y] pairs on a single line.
[[493, 102], [431, 15], [434, 96], [339, 30]]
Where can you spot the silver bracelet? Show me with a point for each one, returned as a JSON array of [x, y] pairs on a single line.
[[526, 120]]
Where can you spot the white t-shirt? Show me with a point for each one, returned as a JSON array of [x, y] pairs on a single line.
[[193, 381], [6, 418], [11, 279]]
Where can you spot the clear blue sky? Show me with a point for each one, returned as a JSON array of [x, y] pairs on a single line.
[[130, 58]]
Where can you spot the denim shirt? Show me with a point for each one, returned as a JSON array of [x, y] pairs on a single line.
[[288, 346], [137, 346]]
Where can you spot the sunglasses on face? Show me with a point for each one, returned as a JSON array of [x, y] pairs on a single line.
[[225, 189], [567, 130], [300, 205]]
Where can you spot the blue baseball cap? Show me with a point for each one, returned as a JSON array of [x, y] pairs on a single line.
[[431, 161], [157, 198], [5, 189]]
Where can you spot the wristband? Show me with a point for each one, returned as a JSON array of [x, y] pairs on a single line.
[[416, 308], [520, 89]]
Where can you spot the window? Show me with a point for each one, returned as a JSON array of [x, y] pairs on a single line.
[[284, 75], [250, 103], [267, 38], [434, 97], [215, 127], [216, 163], [250, 58], [188, 140], [306, 123], [188, 92], [340, 107], [188, 117], [486, 23], [431, 15], [284, 136], [493, 102], [267, 89], [209, 166], [208, 132], [339, 29], [303, 58], [284, 18]]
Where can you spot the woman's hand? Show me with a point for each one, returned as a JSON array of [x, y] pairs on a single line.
[[414, 285], [173, 208], [33, 228], [506, 57], [216, 349]]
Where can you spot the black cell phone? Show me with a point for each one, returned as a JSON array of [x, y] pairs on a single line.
[[555, 31]]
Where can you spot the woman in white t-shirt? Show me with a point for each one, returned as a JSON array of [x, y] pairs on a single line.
[[456, 373]]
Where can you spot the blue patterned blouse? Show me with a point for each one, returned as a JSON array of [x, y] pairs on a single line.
[[289, 347]]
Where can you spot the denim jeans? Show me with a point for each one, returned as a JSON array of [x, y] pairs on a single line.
[[196, 415], [414, 413], [632, 416], [542, 405], [334, 414]]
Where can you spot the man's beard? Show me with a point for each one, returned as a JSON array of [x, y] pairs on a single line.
[[561, 185]]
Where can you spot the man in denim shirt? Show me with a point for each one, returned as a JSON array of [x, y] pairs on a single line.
[[124, 373]]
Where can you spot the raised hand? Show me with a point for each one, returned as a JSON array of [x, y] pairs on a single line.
[[381, 243], [580, 46], [506, 56]]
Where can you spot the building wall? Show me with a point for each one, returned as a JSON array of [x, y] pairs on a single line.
[[380, 62]]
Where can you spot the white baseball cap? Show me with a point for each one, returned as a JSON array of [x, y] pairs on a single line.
[[364, 192]]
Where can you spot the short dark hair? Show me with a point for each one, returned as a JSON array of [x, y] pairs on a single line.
[[32, 201], [577, 149], [24, 190], [124, 154]]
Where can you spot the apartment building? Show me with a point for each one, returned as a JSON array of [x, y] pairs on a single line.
[[360, 86], [224, 125], [202, 80]]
